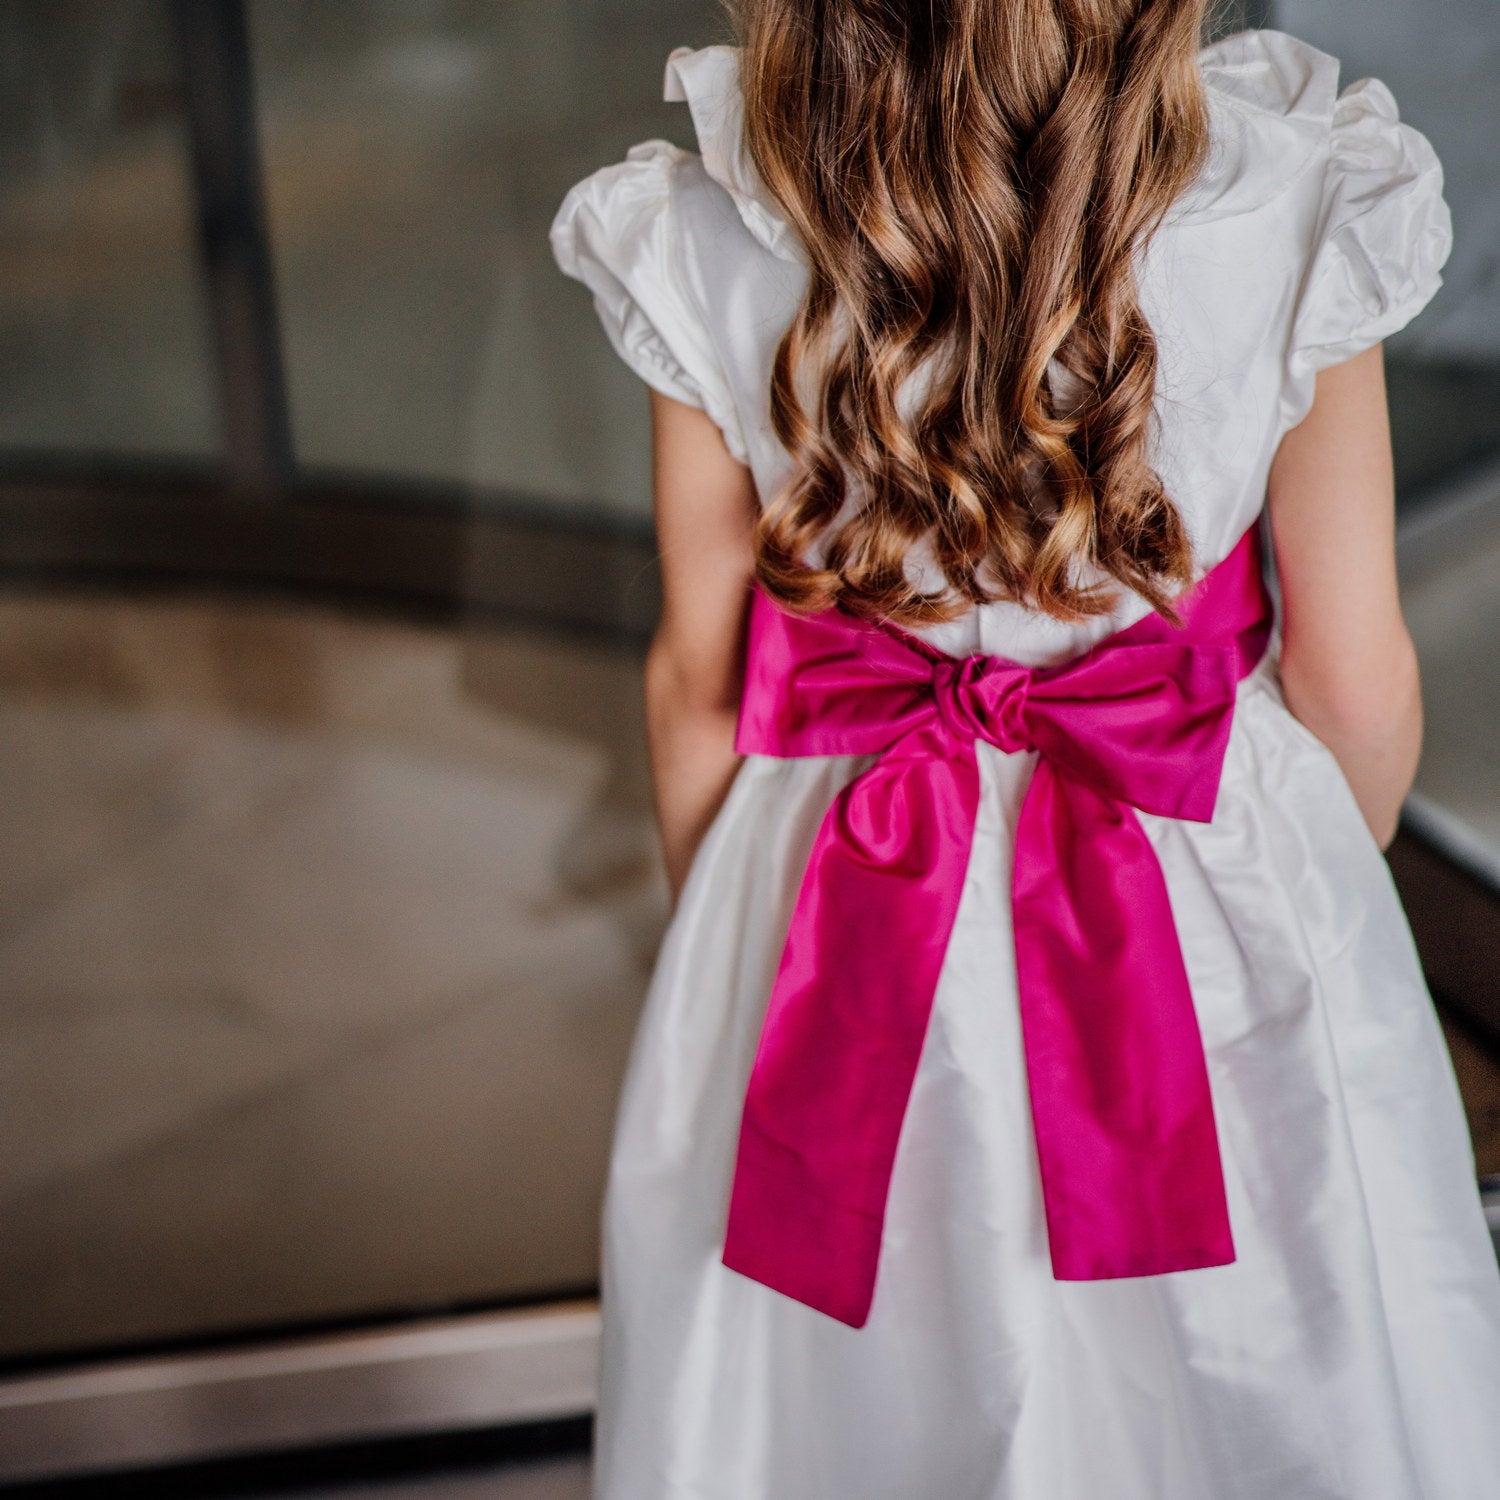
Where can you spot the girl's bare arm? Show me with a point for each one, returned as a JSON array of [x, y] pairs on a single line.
[[705, 508], [1348, 667]]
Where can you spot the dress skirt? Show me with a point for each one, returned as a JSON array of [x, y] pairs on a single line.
[[1350, 1352]]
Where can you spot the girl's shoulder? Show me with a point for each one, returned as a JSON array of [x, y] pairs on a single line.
[[1278, 118], [1347, 200], [1355, 192], [1277, 114]]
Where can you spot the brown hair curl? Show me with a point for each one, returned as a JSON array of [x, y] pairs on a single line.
[[971, 181]]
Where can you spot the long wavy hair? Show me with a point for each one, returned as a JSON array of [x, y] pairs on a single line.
[[971, 181]]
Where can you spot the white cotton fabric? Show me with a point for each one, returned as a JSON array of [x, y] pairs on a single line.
[[1352, 1350]]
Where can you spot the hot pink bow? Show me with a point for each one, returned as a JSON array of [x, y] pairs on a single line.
[[1131, 1178]]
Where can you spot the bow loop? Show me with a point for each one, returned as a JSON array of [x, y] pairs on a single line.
[[1144, 724]]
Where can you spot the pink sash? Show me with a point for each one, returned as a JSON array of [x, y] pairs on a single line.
[[1131, 1178]]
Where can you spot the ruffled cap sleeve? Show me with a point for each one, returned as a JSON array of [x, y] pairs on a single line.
[[616, 233], [1382, 237]]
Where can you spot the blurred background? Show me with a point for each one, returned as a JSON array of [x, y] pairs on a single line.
[[329, 890]]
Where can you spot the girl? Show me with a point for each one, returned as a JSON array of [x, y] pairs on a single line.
[[1037, 1097]]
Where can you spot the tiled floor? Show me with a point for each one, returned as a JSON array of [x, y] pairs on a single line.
[[321, 944], [1453, 609], [1452, 604]]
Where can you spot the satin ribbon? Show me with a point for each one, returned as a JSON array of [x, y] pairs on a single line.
[[1131, 1177]]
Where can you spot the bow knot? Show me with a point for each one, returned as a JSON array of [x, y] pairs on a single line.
[[983, 697]]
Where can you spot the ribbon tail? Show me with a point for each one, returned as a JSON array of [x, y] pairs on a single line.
[[844, 1026], [1131, 1175]]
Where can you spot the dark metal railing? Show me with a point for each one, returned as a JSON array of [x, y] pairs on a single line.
[[229, 193]]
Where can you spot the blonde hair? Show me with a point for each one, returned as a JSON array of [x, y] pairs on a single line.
[[971, 181]]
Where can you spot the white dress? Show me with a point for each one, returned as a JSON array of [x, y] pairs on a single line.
[[1352, 1349]]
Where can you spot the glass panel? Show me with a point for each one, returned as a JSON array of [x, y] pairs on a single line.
[[323, 932], [1445, 369], [415, 155], [102, 326], [1445, 392]]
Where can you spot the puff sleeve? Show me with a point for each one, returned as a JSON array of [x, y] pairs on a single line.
[[616, 232], [1382, 236]]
